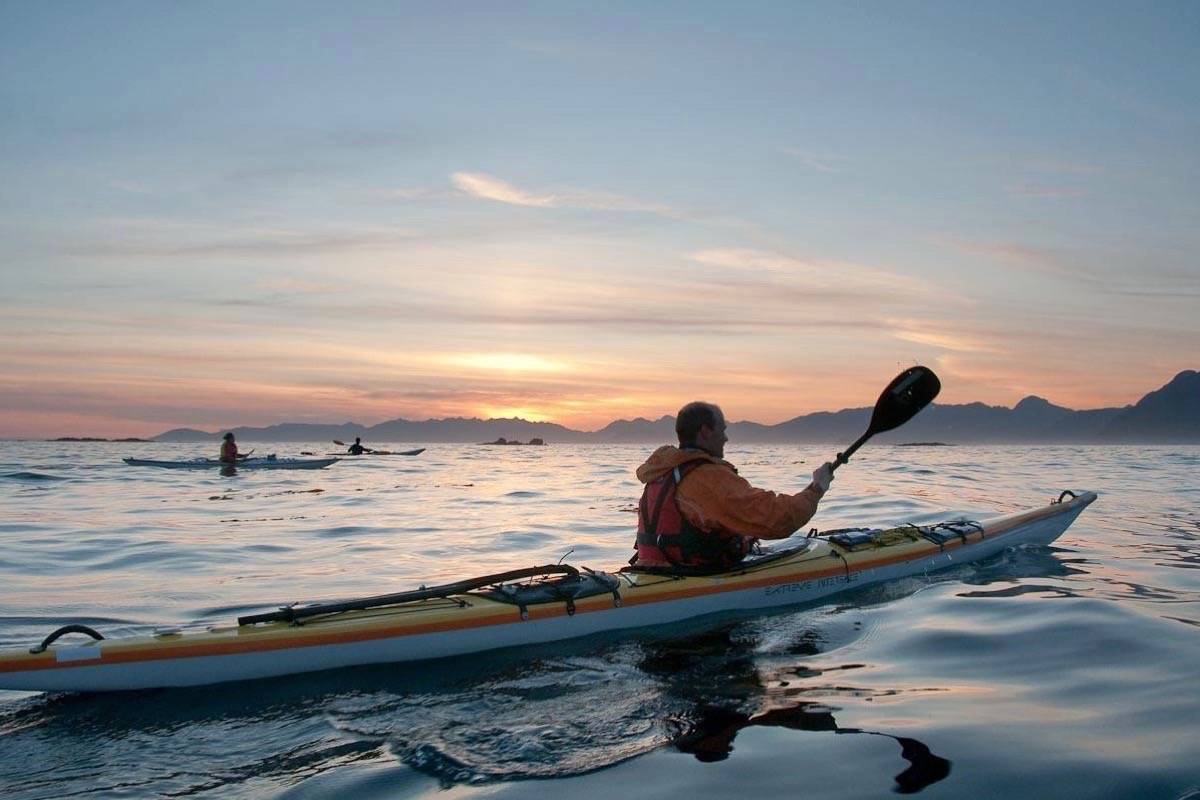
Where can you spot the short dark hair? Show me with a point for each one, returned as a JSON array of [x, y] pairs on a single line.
[[691, 418]]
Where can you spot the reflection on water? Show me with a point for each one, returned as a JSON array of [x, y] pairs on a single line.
[[1014, 575], [711, 739], [717, 664]]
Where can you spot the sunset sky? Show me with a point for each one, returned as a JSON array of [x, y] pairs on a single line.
[[225, 213]]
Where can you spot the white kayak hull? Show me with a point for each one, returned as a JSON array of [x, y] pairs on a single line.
[[249, 463]]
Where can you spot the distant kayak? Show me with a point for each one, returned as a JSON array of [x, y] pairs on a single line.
[[416, 452], [266, 462], [518, 608]]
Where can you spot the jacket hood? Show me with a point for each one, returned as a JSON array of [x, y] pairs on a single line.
[[667, 458]]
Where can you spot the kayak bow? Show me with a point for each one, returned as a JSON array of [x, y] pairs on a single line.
[[541, 604]]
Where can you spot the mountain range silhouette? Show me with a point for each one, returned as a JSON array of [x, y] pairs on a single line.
[[1168, 415]]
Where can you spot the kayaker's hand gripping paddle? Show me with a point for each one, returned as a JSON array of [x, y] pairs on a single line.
[[908, 393]]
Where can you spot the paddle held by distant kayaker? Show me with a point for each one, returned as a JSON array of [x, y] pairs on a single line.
[[697, 512]]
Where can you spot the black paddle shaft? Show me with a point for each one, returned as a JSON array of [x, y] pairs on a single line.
[[908, 393]]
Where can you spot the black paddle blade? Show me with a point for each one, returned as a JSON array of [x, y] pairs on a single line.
[[908, 393]]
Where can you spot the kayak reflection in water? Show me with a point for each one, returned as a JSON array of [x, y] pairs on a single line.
[[357, 449], [711, 739], [697, 513]]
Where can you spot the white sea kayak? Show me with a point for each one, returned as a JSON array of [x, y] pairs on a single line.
[[522, 607], [267, 462]]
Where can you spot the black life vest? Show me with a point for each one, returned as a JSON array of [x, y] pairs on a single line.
[[665, 537]]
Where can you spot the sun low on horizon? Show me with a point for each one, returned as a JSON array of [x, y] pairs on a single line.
[[215, 216]]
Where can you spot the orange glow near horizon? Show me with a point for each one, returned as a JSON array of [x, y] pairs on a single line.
[[506, 362], [260, 407], [126, 398]]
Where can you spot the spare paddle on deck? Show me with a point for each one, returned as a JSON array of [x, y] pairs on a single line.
[[908, 393], [294, 614]]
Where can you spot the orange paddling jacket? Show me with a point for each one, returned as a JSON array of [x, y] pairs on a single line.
[[696, 511]]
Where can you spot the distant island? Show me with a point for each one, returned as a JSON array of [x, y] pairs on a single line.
[[534, 441], [97, 439], [1168, 415]]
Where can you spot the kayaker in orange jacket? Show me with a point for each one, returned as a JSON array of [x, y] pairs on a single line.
[[697, 512]]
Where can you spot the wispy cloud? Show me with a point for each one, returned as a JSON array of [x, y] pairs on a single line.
[[506, 362], [288, 285], [377, 139], [818, 162], [163, 239], [833, 278], [610, 317], [1052, 165], [489, 187], [745, 259], [1045, 191], [949, 337], [1040, 259], [1150, 279], [131, 187], [278, 174], [405, 193]]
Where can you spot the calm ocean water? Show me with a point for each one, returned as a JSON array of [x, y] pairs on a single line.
[[1068, 671]]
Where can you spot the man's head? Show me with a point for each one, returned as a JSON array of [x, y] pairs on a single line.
[[702, 425], [358, 440], [229, 436]]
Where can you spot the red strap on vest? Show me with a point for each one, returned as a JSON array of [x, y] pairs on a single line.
[[666, 537]]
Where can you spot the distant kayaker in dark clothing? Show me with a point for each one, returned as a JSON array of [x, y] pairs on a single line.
[[697, 512], [229, 451], [357, 448]]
